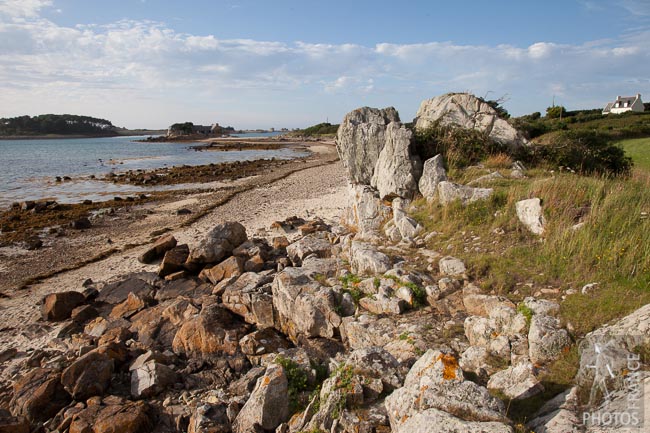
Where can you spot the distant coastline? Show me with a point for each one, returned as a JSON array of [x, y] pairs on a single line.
[[121, 133]]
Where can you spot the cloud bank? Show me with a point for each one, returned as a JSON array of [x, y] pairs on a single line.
[[144, 73]]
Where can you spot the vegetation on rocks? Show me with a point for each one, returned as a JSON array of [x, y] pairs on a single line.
[[62, 124]]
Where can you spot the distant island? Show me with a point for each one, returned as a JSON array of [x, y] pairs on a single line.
[[63, 126]]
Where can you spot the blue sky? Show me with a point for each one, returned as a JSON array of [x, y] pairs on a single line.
[[246, 63]]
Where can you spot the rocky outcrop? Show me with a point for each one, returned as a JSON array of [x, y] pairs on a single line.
[[361, 138], [464, 110]]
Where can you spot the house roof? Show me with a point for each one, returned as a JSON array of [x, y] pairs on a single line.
[[625, 99], [608, 107]]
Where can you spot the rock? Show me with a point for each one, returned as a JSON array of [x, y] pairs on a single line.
[[151, 379], [7, 354], [190, 288], [174, 260], [360, 140], [210, 418], [268, 405], [365, 259], [121, 417], [407, 226], [33, 243], [546, 339], [131, 305], [481, 305], [88, 376], [467, 111], [542, 306], [13, 424], [365, 211], [117, 292], [397, 168], [530, 214], [308, 245], [436, 383], [377, 363], [449, 192], [39, 395], [231, 267], [59, 306], [479, 330], [180, 311], [437, 421], [590, 288], [558, 415], [262, 342], [81, 224], [432, 174], [215, 331], [381, 304], [487, 178], [451, 266], [280, 242], [83, 314], [516, 382], [158, 249], [303, 306], [218, 243]]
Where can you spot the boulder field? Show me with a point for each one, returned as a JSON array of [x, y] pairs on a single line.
[[324, 327]]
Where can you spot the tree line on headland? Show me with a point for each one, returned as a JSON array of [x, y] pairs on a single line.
[[56, 124]]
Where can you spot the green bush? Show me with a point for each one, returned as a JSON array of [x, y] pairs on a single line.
[[586, 152], [555, 112]]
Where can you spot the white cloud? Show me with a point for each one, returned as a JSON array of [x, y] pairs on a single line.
[[118, 70]]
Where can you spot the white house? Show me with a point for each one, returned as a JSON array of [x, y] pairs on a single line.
[[625, 103]]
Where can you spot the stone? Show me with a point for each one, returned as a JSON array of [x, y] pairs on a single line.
[[530, 214], [210, 418], [13, 424], [231, 267], [158, 249], [546, 339], [151, 379], [467, 111], [81, 224], [558, 415], [33, 243], [433, 173], [542, 306], [215, 331], [268, 405], [83, 314], [302, 306], [449, 192], [39, 395], [479, 330], [437, 421], [121, 417], [253, 303], [59, 306], [131, 305], [365, 211], [451, 266], [174, 260], [407, 226], [366, 260], [118, 291], [218, 243], [397, 168], [308, 245], [481, 305], [516, 382], [180, 311], [436, 382], [262, 342], [188, 287], [280, 242], [378, 363], [381, 304], [88, 376], [495, 175], [360, 140]]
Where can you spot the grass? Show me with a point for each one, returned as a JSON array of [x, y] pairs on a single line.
[[611, 248], [639, 150]]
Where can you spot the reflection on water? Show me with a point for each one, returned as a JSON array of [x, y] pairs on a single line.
[[28, 168]]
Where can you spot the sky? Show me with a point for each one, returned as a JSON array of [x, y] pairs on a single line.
[[285, 63]]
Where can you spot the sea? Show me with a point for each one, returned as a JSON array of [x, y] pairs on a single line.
[[28, 168]]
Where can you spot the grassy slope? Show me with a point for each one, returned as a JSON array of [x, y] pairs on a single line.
[[612, 247]]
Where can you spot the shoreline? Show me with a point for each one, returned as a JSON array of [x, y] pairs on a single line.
[[121, 227], [74, 137]]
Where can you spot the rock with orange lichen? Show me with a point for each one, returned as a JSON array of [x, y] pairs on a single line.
[[268, 405], [435, 386]]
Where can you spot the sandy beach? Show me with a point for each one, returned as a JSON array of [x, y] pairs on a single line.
[[314, 188]]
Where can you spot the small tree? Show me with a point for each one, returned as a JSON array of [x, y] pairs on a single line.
[[555, 112]]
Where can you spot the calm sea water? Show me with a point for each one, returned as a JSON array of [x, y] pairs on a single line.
[[28, 168]]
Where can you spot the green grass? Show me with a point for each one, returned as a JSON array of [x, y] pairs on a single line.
[[611, 248], [639, 150]]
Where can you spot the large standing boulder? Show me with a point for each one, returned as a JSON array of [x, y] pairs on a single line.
[[433, 173], [361, 138], [218, 243], [397, 168], [467, 111], [268, 405]]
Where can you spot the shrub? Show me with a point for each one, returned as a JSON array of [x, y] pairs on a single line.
[[555, 112], [586, 152]]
